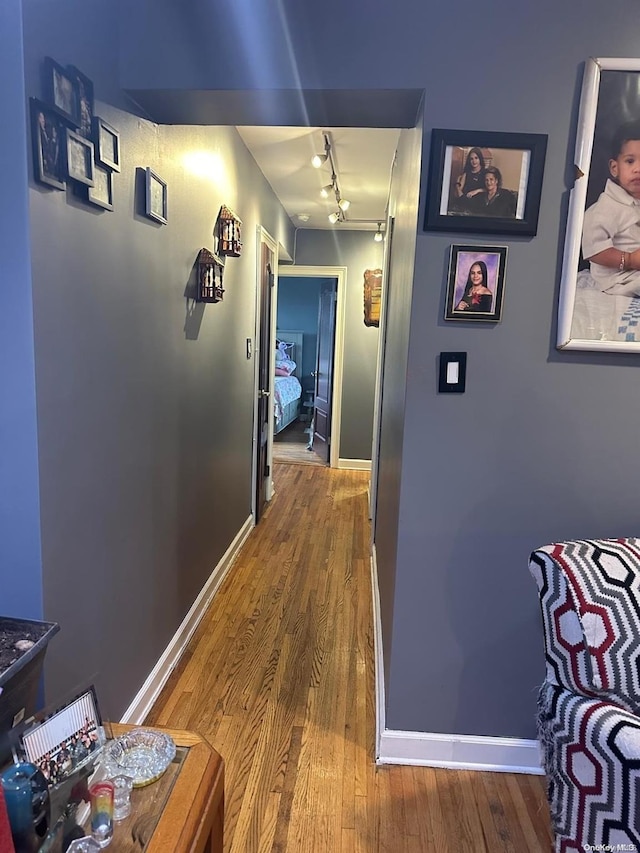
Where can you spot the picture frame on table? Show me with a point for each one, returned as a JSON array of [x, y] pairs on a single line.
[[48, 136], [60, 741], [598, 309], [486, 182], [85, 104], [106, 140], [79, 158], [475, 284], [61, 90], [155, 197], [101, 193]]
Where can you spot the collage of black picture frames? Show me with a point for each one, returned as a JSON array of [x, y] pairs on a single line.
[[72, 145]]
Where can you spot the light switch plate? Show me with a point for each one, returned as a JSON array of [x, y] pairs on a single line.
[[453, 372]]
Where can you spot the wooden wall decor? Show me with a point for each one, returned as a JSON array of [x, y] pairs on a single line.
[[210, 270], [229, 233], [372, 294]]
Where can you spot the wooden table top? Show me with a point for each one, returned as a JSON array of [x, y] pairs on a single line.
[[180, 812]]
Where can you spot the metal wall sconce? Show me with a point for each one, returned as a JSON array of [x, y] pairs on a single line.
[[210, 270], [229, 233]]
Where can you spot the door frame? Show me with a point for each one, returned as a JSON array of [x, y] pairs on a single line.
[[340, 273], [262, 236]]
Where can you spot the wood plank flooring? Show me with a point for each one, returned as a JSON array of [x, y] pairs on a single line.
[[290, 445], [279, 676]]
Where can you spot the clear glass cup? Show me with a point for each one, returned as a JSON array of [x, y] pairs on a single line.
[[122, 786], [84, 845], [101, 797]]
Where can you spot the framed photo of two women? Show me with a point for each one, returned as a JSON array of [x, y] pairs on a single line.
[[485, 182]]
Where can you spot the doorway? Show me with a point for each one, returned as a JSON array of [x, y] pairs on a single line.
[[320, 274]]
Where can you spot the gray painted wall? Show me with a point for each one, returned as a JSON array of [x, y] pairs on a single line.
[[357, 251], [20, 561], [145, 399], [556, 430]]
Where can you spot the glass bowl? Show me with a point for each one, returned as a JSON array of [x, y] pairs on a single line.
[[142, 754]]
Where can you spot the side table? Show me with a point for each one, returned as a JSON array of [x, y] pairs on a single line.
[[183, 811]]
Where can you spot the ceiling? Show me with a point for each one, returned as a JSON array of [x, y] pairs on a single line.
[[363, 159]]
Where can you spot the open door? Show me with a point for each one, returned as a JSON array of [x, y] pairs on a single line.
[[263, 472], [323, 388]]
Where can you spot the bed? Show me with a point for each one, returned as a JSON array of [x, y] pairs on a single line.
[[287, 390], [600, 316]]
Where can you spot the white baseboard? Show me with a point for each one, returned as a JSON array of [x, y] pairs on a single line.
[[355, 464], [457, 752], [378, 654], [461, 752], [150, 690]]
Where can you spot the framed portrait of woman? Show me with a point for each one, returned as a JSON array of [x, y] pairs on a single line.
[[599, 302], [475, 287], [485, 182]]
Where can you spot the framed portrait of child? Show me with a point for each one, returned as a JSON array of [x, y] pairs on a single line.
[[599, 303]]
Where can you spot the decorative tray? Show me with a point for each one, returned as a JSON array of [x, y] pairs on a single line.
[[142, 754]]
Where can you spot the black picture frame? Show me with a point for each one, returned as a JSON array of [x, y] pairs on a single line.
[[484, 305], [519, 161], [79, 158], [155, 197], [48, 137], [84, 101], [106, 140], [101, 193], [61, 90]]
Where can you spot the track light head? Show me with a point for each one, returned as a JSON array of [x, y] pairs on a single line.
[[325, 192], [334, 217], [344, 204], [318, 159], [378, 235]]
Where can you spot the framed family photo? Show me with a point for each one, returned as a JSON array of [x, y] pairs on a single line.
[[155, 197], [48, 135], [79, 152], [475, 287], [106, 140], [599, 303], [485, 182], [61, 90]]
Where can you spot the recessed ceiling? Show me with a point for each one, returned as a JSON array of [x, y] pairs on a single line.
[[363, 158]]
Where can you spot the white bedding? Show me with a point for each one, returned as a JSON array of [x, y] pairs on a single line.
[[597, 316], [286, 389]]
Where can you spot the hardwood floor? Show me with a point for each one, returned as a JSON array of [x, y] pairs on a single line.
[[279, 676], [290, 445]]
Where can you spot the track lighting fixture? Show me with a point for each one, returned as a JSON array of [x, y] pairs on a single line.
[[325, 192], [378, 235], [334, 217], [319, 159], [343, 204]]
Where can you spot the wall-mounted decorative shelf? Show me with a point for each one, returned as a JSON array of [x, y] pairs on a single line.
[[229, 233], [210, 270]]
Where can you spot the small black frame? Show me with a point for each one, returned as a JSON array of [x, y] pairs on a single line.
[[519, 161], [106, 140], [84, 95], [483, 303], [155, 197], [48, 136], [61, 90], [79, 154], [101, 193]]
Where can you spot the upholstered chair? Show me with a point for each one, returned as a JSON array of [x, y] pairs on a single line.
[[589, 704]]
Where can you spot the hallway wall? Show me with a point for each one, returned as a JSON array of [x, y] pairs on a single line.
[[145, 398]]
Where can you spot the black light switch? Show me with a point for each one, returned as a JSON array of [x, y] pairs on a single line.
[[453, 372]]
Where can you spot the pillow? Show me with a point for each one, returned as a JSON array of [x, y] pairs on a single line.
[[287, 366]]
